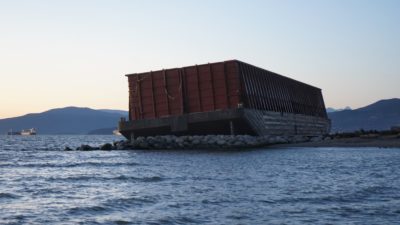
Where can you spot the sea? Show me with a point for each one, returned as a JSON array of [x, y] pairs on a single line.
[[40, 183]]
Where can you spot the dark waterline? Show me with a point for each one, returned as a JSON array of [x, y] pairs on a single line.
[[41, 184]]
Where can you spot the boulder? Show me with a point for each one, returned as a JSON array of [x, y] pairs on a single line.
[[85, 148], [106, 146], [316, 139]]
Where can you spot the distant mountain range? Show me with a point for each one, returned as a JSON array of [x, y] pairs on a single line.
[[73, 120], [329, 109], [69, 120], [121, 112], [380, 115]]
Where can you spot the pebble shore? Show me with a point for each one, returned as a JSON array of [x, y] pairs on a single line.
[[198, 142]]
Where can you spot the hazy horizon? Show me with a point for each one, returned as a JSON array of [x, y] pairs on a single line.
[[76, 53]]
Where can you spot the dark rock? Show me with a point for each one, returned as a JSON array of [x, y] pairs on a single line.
[[144, 145], [220, 142], [85, 148], [316, 139], [327, 138], [107, 147], [125, 145], [68, 149]]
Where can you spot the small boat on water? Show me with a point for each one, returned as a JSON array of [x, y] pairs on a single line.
[[27, 132]]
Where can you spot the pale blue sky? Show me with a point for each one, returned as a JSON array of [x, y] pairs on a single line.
[[62, 53]]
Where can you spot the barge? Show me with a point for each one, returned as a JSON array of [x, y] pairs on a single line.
[[230, 97]]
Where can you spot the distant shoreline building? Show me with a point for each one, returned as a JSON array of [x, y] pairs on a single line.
[[230, 97]]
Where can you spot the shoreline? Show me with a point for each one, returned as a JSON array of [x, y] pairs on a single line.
[[379, 142], [236, 142]]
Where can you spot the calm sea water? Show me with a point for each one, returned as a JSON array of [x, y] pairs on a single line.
[[41, 184]]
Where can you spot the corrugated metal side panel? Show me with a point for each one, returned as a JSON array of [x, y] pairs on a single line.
[[206, 88], [134, 110], [192, 90], [170, 92], [173, 91], [146, 95], [140, 100], [269, 91], [233, 83], [160, 98], [211, 87], [155, 94]]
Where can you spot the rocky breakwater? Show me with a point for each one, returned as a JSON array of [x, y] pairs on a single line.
[[197, 142]]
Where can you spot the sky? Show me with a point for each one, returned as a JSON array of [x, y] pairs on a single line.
[[57, 53]]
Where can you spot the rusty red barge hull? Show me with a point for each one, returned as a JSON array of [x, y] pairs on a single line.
[[222, 98]]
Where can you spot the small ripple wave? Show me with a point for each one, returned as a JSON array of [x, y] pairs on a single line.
[[97, 178], [6, 196]]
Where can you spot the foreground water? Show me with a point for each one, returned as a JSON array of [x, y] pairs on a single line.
[[41, 184]]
